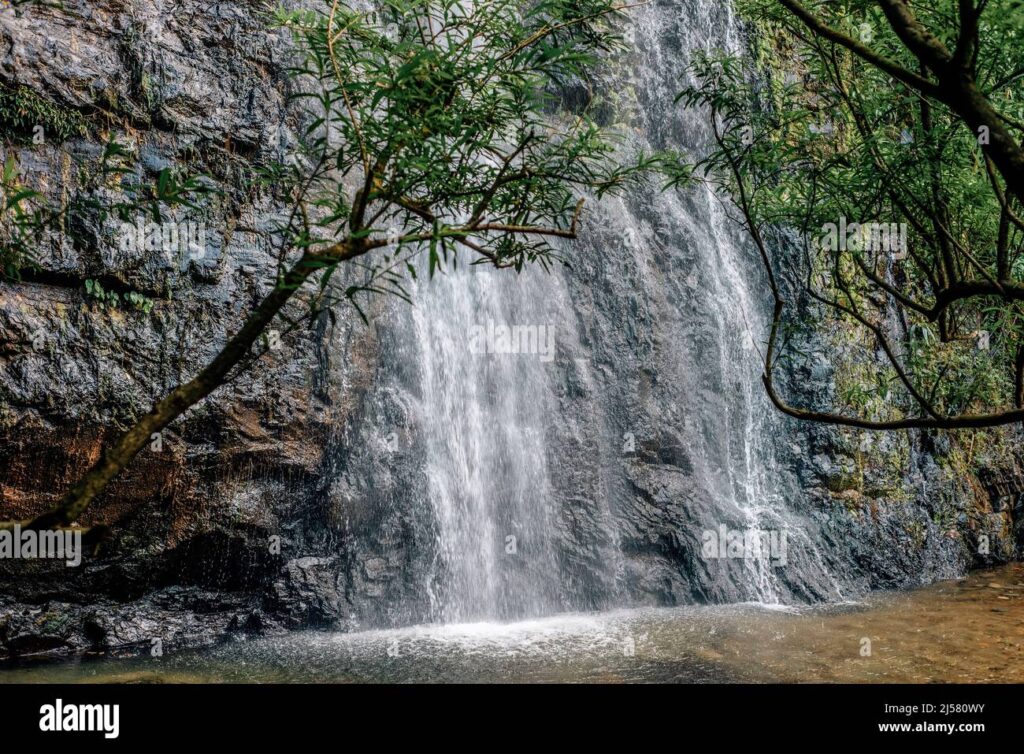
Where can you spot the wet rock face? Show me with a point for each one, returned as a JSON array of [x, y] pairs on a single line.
[[165, 621], [307, 593], [294, 497], [241, 506], [196, 86]]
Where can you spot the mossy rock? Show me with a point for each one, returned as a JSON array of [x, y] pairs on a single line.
[[842, 481]]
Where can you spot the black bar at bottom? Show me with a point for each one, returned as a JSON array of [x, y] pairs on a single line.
[[526, 716]]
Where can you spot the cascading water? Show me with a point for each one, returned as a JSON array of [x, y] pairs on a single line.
[[731, 431], [514, 535], [484, 416]]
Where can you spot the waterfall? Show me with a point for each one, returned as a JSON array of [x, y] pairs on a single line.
[[733, 434], [656, 330], [484, 411]]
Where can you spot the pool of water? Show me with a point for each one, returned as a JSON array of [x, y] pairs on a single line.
[[968, 631]]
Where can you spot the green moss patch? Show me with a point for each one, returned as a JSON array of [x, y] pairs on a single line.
[[22, 109]]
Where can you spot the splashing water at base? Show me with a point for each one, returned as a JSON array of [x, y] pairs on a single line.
[[916, 637]]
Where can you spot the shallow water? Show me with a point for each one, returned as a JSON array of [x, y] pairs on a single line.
[[967, 631]]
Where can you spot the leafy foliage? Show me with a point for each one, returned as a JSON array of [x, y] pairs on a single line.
[[441, 115], [929, 271], [20, 220], [106, 298], [22, 110]]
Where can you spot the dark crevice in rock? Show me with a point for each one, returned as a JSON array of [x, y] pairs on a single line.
[[61, 279]]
